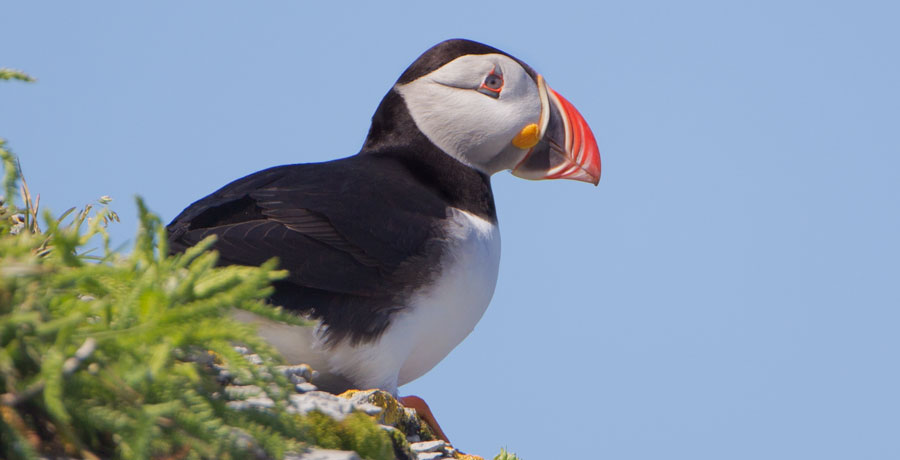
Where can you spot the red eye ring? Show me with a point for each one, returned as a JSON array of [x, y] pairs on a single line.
[[492, 84]]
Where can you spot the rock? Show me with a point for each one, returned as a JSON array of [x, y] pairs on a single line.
[[328, 404], [241, 350], [393, 413], [430, 455], [412, 439], [299, 371], [428, 446], [324, 454], [248, 397], [255, 402], [247, 442], [388, 428], [242, 391], [305, 387], [401, 446], [254, 359], [224, 376]]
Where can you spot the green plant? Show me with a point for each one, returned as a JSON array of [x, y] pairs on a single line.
[[12, 74], [504, 455], [108, 355]]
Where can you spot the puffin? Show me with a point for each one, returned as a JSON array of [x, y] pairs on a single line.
[[394, 252]]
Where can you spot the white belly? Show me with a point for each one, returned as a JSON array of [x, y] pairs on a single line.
[[438, 317], [444, 314]]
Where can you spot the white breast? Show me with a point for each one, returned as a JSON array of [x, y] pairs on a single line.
[[438, 317], [442, 315]]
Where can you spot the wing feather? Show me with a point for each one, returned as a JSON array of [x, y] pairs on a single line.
[[353, 234]]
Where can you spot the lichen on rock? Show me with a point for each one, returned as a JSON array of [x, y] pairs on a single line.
[[393, 413]]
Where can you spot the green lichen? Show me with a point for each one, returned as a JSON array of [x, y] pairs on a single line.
[[393, 413]]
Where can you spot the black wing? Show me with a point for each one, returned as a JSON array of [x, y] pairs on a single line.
[[354, 234]]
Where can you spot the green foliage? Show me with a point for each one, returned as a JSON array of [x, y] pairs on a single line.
[[12, 74], [504, 455], [108, 356], [356, 432]]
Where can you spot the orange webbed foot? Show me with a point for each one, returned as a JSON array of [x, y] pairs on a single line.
[[417, 403]]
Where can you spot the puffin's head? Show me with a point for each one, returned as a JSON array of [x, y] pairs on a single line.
[[493, 112]]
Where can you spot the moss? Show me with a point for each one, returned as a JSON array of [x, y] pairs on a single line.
[[402, 450], [357, 432]]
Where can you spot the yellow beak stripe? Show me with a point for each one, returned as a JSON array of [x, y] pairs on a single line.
[[528, 137]]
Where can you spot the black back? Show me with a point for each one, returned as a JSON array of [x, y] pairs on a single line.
[[358, 235]]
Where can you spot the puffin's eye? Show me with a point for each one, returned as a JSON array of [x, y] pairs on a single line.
[[492, 84]]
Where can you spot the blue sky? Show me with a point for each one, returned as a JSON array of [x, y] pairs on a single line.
[[730, 290]]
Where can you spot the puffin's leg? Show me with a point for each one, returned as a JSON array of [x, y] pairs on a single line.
[[417, 403]]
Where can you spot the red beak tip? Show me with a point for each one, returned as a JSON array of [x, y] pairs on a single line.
[[581, 143]]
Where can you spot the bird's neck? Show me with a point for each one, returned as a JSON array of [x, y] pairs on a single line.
[[393, 133]]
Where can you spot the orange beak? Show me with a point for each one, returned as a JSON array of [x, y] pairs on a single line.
[[566, 149]]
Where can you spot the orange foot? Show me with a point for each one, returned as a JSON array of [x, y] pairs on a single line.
[[417, 403]]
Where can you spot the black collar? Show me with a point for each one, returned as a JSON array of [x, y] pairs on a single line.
[[394, 133]]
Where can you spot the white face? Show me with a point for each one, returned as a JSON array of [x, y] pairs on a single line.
[[460, 110]]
